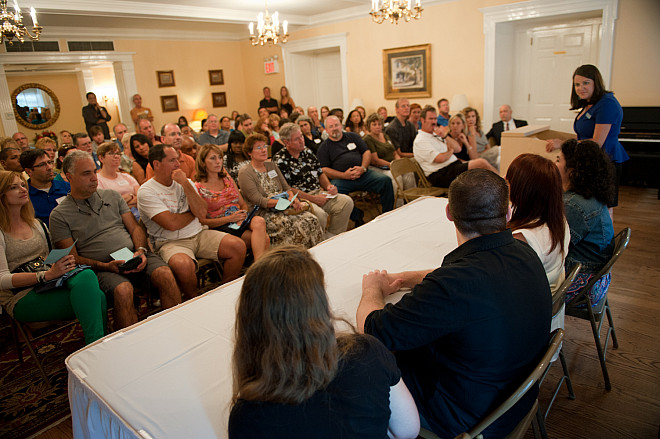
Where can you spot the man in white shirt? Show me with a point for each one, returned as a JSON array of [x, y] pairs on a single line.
[[435, 155], [170, 207]]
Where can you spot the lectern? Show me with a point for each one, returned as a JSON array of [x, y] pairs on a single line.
[[530, 138]]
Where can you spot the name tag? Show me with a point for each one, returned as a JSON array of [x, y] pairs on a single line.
[[317, 140], [351, 146], [272, 173], [315, 173], [587, 115], [59, 200]]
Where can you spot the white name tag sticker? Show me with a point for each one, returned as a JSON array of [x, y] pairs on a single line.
[[272, 173], [317, 140], [351, 146], [59, 200]]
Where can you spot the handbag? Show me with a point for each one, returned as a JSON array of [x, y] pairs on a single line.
[[37, 264]]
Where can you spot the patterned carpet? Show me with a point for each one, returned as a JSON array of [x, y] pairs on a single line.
[[27, 403]]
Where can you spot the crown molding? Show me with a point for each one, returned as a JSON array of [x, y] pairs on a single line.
[[107, 33]]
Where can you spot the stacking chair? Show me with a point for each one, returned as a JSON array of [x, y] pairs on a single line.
[[558, 299], [533, 416], [403, 166], [580, 305]]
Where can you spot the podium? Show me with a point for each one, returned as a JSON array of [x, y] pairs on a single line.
[[528, 139]]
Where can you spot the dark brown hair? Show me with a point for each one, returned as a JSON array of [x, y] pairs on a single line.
[[588, 71], [589, 169]]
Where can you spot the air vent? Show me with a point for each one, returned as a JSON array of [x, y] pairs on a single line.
[[33, 46], [87, 46]]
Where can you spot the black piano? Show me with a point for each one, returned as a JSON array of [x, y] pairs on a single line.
[[640, 136]]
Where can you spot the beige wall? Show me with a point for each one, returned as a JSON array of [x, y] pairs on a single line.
[[65, 87], [256, 79]]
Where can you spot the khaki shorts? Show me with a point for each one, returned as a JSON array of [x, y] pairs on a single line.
[[203, 245]]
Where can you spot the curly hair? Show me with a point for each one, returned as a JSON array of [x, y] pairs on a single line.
[[589, 169]]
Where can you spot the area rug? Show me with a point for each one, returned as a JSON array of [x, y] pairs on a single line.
[[27, 404]]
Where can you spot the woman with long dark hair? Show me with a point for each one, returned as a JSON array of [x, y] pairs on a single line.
[[140, 146], [294, 377], [355, 123], [587, 175], [599, 119]]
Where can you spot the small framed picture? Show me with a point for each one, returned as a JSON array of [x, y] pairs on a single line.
[[219, 99], [407, 72], [165, 78], [169, 103], [216, 77]]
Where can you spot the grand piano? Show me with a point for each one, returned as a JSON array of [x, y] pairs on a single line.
[[640, 136]]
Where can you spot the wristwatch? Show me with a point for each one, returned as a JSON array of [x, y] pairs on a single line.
[[364, 169]]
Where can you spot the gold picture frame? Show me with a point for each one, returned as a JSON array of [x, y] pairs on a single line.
[[219, 99], [165, 78], [169, 103], [407, 72], [216, 77]]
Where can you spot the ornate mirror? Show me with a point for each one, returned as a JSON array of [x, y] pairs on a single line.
[[35, 106]]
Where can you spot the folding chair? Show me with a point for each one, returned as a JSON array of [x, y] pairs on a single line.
[[580, 305], [558, 299], [532, 417], [403, 166]]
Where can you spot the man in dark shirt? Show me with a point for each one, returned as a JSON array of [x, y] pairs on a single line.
[[268, 103], [470, 331], [94, 114], [507, 123], [345, 157], [401, 131], [45, 192]]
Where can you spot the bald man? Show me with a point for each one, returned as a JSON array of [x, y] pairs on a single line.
[[506, 123]]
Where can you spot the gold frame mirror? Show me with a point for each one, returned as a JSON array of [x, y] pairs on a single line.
[[45, 115]]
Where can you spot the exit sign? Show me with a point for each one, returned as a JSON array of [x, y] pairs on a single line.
[[271, 67]]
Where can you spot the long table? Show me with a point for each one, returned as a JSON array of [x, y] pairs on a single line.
[[170, 375]]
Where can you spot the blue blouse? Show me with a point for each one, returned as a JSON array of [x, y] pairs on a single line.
[[606, 111]]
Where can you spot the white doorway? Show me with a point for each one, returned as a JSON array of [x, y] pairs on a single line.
[[546, 56]]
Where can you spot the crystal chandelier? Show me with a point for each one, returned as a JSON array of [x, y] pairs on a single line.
[[268, 29], [394, 10], [12, 24]]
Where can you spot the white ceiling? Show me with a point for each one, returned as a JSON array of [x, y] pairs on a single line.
[[187, 19]]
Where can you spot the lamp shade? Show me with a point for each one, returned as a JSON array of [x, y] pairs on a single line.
[[458, 102]]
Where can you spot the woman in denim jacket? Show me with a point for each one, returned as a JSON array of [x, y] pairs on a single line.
[[587, 176]]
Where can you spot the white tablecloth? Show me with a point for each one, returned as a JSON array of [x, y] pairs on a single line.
[[170, 376]]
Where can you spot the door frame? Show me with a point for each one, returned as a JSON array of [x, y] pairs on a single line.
[[496, 18], [316, 43]]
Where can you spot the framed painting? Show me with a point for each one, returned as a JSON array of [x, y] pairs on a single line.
[[219, 99], [165, 78], [407, 72], [216, 77], [169, 103]]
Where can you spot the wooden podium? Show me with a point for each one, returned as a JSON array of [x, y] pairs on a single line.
[[530, 138]]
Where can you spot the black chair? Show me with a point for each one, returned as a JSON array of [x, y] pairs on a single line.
[[534, 416], [580, 305]]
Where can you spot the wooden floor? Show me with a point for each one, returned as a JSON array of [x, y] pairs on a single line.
[[632, 408]]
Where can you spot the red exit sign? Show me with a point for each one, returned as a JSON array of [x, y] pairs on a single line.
[[271, 67]]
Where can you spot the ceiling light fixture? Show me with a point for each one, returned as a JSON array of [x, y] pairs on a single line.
[[268, 29], [393, 10], [12, 24]]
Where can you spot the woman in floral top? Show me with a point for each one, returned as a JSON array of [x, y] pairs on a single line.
[[224, 201]]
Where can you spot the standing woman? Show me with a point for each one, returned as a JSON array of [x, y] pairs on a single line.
[[599, 119], [587, 174], [285, 100], [23, 238], [294, 377], [224, 202]]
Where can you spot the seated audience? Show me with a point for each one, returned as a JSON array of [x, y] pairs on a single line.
[[45, 192], [182, 122], [415, 116], [588, 181], [261, 127], [83, 143], [382, 112], [294, 376], [355, 123], [189, 146], [170, 207], [443, 116], [48, 145], [458, 131], [345, 158], [244, 124], [119, 130], [171, 136], [400, 130], [21, 141], [23, 239], [97, 137], [225, 124], [263, 113], [325, 112], [471, 330], [66, 138], [140, 146], [478, 139], [505, 124], [214, 134], [61, 154], [338, 113], [436, 157], [99, 223], [262, 184], [274, 126], [109, 176], [144, 126], [312, 140], [284, 113], [362, 110], [303, 173], [236, 158], [188, 131], [225, 205], [317, 126]]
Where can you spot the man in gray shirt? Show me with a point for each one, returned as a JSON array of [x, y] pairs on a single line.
[[99, 222], [214, 134]]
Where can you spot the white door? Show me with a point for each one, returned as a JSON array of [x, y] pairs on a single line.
[[552, 54], [317, 78]]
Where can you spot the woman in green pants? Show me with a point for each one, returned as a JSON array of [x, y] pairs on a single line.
[[24, 238]]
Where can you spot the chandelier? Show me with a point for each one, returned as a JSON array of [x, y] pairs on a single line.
[[12, 24], [268, 29], [394, 10]]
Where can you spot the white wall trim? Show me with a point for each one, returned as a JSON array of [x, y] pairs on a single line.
[[538, 9], [317, 43]]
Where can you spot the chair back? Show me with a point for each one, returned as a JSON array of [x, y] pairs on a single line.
[[400, 167], [621, 241], [528, 383], [422, 180], [559, 296]]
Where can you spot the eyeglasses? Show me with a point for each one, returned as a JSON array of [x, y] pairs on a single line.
[[42, 164], [116, 154], [260, 148]]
